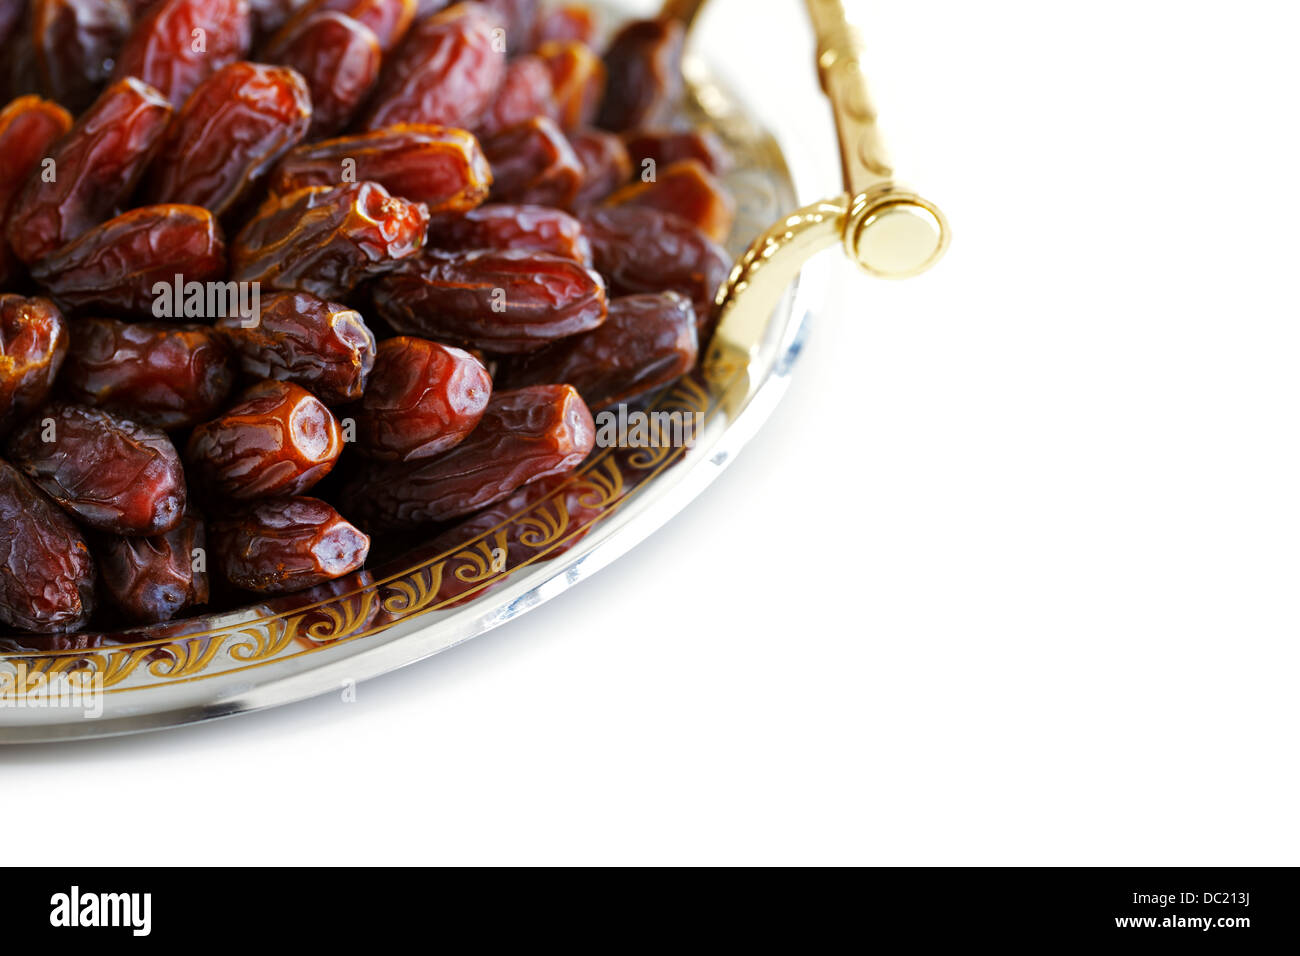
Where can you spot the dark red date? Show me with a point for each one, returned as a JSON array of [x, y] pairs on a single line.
[[108, 472], [285, 544], [605, 164], [323, 346], [279, 439], [388, 20], [326, 241], [525, 435], [533, 162], [152, 579], [76, 42], [577, 82], [33, 344], [503, 226], [512, 301], [423, 399], [28, 126], [525, 92], [167, 376], [644, 67], [47, 577], [177, 43], [688, 190], [340, 59], [665, 147]]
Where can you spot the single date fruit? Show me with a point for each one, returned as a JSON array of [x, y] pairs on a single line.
[[76, 42], [323, 346], [167, 376], [33, 344], [577, 82], [423, 399], [533, 162], [605, 164], [503, 226], [644, 66], [279, 439], [152, 579], [285, 544], [388, 20], [525, 92], [688, 190], [47, 577], [525, 435], [28, 126], [177, 43], [511, 301], [108, 472], [340, 59], [667, 146]]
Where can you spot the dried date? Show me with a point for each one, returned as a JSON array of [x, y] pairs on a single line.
[[532, 162], [177, 43], [28, 126], [116, 267], [325, 241], [423, 399], [285, 544], [688, 190], [33, 345], [88, 172], [230, 132], [577, 82], [605, 164], [167, 376], [76, 42], [152, 579], [47, 576], [525, 92], [279, 439], [644, 74], [443, 168], [665, 147], [511, 301], [340, 60], [108, 472], [502, 226], [525, 435], [647, 341], [388, 20], [296, 337]]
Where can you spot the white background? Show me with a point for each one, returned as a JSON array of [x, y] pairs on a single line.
[[1010, 577]]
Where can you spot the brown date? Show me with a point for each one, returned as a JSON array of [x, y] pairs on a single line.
[[108, 472], [234, 127], [605, 164], [511, 301], [167, 376], [442, 167], [47, 577], [667, 146], [152, 579], [645, 250], [33, 344], [532, 162], [323, 346], [76, 42], [278, 439], [116, 266], [28, 126], [177, 43], [325, 241], [687, 190], [647, 341], [388, 20], [577, 82], [525, 435], [286, 544], [446, 71], [565, 23], [90, 171], [423, 399], [525, 92], [644, 74], [503, 226], [340, 59]]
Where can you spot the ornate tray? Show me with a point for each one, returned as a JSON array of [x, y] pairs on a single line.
[[513, 557]]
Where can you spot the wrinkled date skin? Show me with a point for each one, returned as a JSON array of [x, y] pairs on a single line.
[[339, 58], [115, 266], [512, 301], [28, 126], [647, 341], [643, 66], [47, 577], [388, 20], [525, 92], [423, 399], [688, 190], [446, 71], [533, 162], [162, 49], [606, 164], [502, 226], [326, 241], [94, 168], [525, 435], [278, 440], [33, 345], [75, 43], [152, 579], [577, 82], [285, 544], [666, 147], [443, 168], [228, 135], [108, 472], [167, 376], [323, 346], [645, 250]]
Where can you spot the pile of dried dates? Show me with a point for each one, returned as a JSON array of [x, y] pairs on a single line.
[[249, 244]]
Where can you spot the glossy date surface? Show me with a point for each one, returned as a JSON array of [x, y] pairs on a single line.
[[286, 544], [33, 346]]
